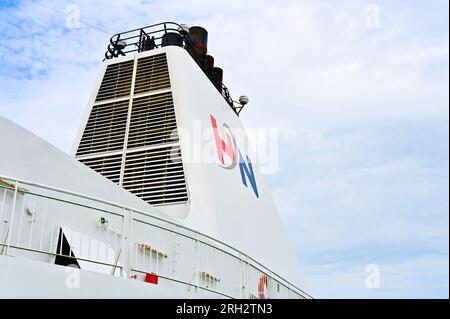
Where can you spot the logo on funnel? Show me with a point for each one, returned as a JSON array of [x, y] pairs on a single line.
[[230, 156]]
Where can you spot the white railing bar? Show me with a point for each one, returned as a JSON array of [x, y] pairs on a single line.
[[10, 224], [63, 200], [3, 203], [187, 283], [52, 235], [32, 223], [44, 214], [21, 220], [61, 190], [128, 241], [62, 255]]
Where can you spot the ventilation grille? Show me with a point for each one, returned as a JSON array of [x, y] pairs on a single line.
[[153, 169], [152, 121], [156, 175], [116, 82], [152, 74], [108, 166], [105, 129]]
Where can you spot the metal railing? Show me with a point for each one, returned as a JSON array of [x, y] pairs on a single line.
[[63, 227], [149, 38], [124, 43]]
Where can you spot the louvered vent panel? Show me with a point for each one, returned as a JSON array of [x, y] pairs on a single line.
[[152, 74], [116, 81], [156, 175], [105, 129], [152, 121], [108, 166]]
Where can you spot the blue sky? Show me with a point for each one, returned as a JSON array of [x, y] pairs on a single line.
[[363, 111]]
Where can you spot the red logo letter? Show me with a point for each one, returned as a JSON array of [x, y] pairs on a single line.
[[221, 145]]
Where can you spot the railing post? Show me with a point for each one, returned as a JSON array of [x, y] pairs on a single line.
[[241, 276], [197, 269], [10, 228], [141, 41], [123, 245], [126, 241]]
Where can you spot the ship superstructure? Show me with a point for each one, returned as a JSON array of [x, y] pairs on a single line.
[[134, 206]]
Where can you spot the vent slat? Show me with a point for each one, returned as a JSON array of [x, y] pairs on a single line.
[[105, 129], [152, 74], [157, 175], [108, 166], [179, 179], [136, 156], [149, 174], [116, 81], [153, 121], [155, 165]]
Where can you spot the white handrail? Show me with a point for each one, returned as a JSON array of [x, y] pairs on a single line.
[[244, 258]]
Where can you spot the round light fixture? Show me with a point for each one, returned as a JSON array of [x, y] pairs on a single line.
[[243, 99]]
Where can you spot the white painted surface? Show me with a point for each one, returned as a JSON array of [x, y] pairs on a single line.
[[220, 205], [25, 278]]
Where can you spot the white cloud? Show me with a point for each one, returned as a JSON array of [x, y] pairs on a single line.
[[368, 194], [349, 281]]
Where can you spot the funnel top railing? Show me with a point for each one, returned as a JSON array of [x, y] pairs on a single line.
[[164, 34]]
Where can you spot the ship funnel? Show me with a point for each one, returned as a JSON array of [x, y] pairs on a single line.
[[217, 78], [199, 37], [172, 38], [209, 64]]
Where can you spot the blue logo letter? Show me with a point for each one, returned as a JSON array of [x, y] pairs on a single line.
[[249, 172]]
